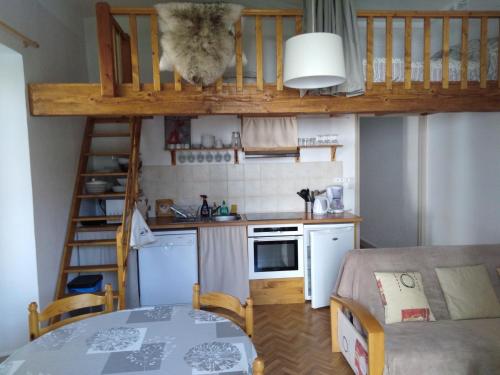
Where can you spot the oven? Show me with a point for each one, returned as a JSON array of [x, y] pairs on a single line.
[[275, 251]]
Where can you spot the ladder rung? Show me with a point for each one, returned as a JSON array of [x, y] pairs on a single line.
[[110, 134], [103, 195], [98, 228], [111, 120], [94, 268], [108, 242], [104, 174], [115, 294], [96, 218], [119, 154]]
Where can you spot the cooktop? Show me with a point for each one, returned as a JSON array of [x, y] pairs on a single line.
[[274, 216]]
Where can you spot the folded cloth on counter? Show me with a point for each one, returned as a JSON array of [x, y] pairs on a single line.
[[269, 132], [224, 261], [140, 233]]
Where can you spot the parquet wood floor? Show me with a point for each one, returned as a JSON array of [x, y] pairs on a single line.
[[295, 340]]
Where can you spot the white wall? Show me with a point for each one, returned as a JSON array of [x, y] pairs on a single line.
[[18, 271], [463, 182], [389, 181], [54, 143], [261, 186]]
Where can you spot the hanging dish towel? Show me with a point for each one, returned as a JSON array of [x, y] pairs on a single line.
[[269, 132], [141, 234]]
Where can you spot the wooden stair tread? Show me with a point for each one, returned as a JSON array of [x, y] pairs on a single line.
[[104, 174], [93, 268], [117, 153], [102, 195], [110, 134], [105, 242], [96, 218]]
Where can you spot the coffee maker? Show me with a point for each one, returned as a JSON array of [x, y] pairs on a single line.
[[335, 196]]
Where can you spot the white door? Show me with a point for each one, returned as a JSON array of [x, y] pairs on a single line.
[[328, 248]]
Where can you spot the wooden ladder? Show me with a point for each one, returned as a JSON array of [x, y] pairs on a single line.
[[97, 224]]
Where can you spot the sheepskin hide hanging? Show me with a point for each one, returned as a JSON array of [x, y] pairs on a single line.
[[197, 39]]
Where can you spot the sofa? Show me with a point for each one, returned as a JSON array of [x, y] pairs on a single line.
[[444, 346]]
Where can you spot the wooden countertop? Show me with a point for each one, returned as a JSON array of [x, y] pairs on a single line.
[[168, 222]]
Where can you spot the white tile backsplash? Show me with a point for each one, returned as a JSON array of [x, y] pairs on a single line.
[[254, 187]]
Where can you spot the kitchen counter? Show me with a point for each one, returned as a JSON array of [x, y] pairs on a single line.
[[157, 223]]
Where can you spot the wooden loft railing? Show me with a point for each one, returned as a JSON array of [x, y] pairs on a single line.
[[119, 60], [427, 17], [120, 91]]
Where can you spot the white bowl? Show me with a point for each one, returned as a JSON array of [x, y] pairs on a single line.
[[122, 181], [118, 189], [96, 186]]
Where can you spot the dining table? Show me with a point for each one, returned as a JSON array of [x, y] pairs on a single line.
[[164, 339]]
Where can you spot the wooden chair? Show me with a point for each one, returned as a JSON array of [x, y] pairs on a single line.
[[227, 302], [64, 305], [258, 367]]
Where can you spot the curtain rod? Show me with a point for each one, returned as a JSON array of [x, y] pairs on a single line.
[[27, 42]]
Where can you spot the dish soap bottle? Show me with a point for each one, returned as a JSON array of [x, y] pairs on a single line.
[[223, 210], [204, 211]]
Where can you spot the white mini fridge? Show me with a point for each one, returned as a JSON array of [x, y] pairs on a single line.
[[168, 268], [324, 248]]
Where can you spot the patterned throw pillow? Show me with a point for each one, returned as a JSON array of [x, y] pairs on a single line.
[[403, 297]]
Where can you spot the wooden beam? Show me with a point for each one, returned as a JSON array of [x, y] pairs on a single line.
[[259, 52], [239, 55], [106, 51], [427, 13], [369, 53], [136, 81], [279, 53], [427, 52], [155, 52], [388, 53], [177, 81], [408, 30], [86, 99], [245, 12], [464, 76]]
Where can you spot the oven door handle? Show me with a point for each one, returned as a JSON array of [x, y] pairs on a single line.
[[276, 238]]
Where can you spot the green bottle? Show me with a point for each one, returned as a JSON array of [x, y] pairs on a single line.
[[224, 211]]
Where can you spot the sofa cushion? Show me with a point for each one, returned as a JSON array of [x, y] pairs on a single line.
[[403, 297], [356, 279], [444, 347], [468, 292]]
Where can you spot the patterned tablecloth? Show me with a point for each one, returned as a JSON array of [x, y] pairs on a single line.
[[172, 340]]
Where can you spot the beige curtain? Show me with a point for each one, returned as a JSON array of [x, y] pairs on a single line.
[[269, 132], [224, 261]]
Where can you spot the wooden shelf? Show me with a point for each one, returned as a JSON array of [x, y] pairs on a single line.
[[268, 151], [332, 147]]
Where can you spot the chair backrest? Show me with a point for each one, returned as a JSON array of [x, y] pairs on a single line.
[[65, 305], [227, 302]]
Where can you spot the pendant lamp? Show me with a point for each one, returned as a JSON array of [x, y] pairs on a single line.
[[314, 60]]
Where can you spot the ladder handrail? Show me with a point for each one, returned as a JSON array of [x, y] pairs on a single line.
[[123, 232]]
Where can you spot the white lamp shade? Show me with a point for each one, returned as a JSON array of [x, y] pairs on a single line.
[[313, 61]]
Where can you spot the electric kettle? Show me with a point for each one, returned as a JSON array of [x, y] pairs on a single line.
[[320, 206]]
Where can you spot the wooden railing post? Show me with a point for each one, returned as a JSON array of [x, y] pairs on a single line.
[[279, 53], [408, 30], [259, 52], [106, 51], [427, 52], [369, 53], [483, 76], [239, 58], [464, 76], [134, 54], [388, 53], [446, 52], [126, 56]]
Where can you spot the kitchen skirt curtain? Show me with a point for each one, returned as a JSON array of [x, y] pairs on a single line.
[[269, 132], [224, 261]]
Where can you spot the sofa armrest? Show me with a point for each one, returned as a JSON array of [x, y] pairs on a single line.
[[375, 332]]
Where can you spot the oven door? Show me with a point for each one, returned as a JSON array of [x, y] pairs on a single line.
[[275, 257]]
